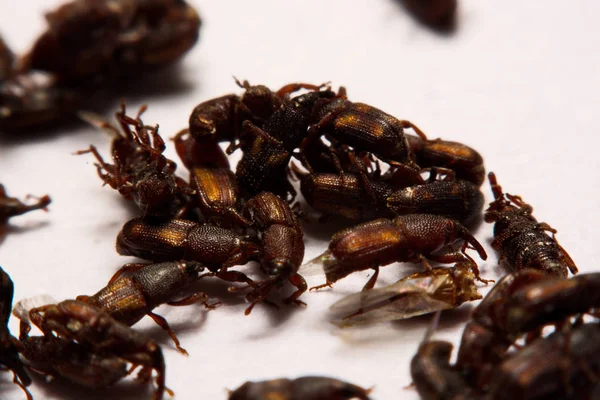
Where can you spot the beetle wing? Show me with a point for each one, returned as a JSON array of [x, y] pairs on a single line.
[[316, 265], [23, 306], [404, 299]]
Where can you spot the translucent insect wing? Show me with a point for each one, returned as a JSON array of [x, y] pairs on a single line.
[[406, 298]]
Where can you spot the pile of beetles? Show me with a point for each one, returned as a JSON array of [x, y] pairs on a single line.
[[413, 199]]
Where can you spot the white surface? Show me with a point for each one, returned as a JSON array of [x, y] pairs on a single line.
[[518, 81]]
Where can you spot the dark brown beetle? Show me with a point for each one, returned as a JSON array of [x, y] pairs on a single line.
[[305, 388], [263, 166], [438, 14], [550, 300], [140, 171], [87, 42], [215, 247], [9, 345], [564, 365], [466, 163], [220, 119], [365, 128], [81, 38], [199, 153], [417, 294], [128, 299], [268, 150], [413, 238], [11, 207], [34, 98], [521, 303], [521, 240], [434, 377], [159, 34], [356, 197], [217, 195], [346, 195], [458, 199], [483, 344], [73, 362], [89, 326], [215, 187], [283, 247]]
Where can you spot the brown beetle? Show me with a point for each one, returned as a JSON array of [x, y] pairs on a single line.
[[268, 149], [282, 241], [305, 388], [434, 377], [199, 153], [140, 171], [89, 326], [466, 163], [159, 34], [437, 14], [105, 39], [11, 207], [458, 199], [346, 195], [521, 303], [74, 362], [128, 299], [217, 195], [413, 238], [483, 344], [34, 98], [9, 345], [215, 187], [365, 128], [215, 247], [417, 294], [521, 240], [564, 365], [220, 119]]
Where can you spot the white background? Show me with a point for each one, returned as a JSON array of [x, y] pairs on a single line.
[[518, 81]]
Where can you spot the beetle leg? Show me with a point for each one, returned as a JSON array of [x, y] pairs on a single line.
[[162, 322], [566, 258], [237, 217], [253, 130], [407, 124], [110, 169], [547, 228], [371, 282], [405, 175], [256, 301], [298, 281], [314, 130], [199, 297], [17, 381], [36, 317], [294, 87], [520, 203], [328, 284], [449, 174], [423, 260], [234, 276]]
